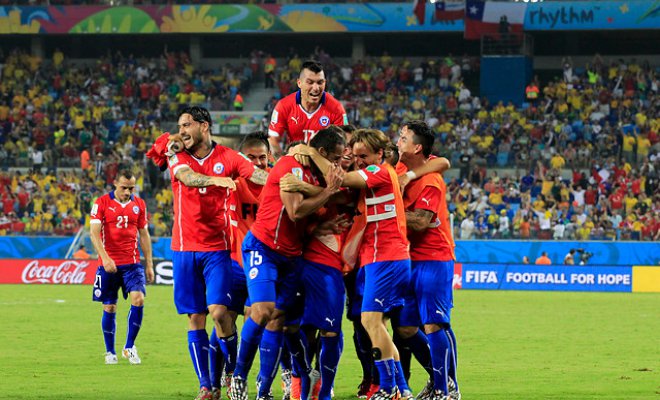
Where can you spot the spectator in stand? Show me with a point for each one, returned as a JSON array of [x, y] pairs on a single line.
[[543, 259], [81, 253]]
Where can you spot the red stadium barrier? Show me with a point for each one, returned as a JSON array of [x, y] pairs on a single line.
[[57, 272]]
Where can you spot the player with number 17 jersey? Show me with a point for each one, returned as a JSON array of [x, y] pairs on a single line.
[[289, 116], [201, 215]]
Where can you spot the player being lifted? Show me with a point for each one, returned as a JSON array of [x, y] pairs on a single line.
[[116, 220], [303, 113], [430, 299], [202, 178], [271, 252]]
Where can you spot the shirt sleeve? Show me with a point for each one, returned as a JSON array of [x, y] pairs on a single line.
[[341, 118], [97, 214], [375, 176], [429, 199], [277, 125], [240, 166], [142, 218], [175, 163]]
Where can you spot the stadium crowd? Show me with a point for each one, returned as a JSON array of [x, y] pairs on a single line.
[[585, 151]]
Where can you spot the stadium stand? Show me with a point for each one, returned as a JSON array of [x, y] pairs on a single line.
[[581, 161]]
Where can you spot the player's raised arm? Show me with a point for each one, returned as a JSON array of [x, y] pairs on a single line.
[[191, 178], [351, 179], [298, 207], [259, 176], [437, 164]]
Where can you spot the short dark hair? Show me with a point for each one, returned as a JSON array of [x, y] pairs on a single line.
[[312, 65], [199, 114], [423, 135], [392, 154], [328, 138], [126, 173], [348, 128], [254, 139]]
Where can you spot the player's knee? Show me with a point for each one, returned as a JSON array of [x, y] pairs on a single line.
[[370, 320], [220, 314], [110, 308], [406, 332], [262, 313], [329, 334], [137, 301], [432, 328]]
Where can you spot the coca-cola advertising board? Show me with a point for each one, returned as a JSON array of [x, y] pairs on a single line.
[[56, 272]]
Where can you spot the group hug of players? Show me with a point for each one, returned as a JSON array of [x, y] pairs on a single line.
[[345, 217]]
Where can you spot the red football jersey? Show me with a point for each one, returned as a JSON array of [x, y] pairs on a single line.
[[273, 226], [290, 117], [382, 240], [429, 193], [119, 226], [201, 218], [244, 205]]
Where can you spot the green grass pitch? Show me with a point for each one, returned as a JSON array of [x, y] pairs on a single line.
[[512, 345]]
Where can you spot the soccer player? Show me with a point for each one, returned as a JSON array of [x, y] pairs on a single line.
[[383, 252], [302, 114], [271, 252], [116, 220], [202, 179], [243, 210], [432, 254]]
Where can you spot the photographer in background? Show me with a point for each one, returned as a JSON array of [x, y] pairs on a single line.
[[569, 259]]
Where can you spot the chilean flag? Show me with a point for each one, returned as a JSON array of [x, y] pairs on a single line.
[[449, 10], [419, 9], [483, 17]]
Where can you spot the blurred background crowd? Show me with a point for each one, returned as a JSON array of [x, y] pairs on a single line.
[[578, 161]]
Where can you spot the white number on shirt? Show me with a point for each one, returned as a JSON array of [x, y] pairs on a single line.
[[122, 221]]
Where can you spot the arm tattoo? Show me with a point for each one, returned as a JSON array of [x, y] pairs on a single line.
[[259, 176], [419, 219], [192, 179]]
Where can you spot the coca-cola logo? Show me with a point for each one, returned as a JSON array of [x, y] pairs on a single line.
[[67, 272]]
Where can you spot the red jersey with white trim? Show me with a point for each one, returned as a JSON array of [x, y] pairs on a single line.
[[382, 240], [429, 193], [119, 226], [289, 116], [201, 218], [273, 226], [243, 210]]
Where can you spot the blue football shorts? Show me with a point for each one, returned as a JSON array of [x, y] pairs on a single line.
[[128, 278], [201, 278]]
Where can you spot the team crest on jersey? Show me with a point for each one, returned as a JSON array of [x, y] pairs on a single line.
[[97, 292], [218, 168], [136, 210], [298, 173], [95, 210], [253, 273], [324, 120], [373, 169], [173, 160]]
